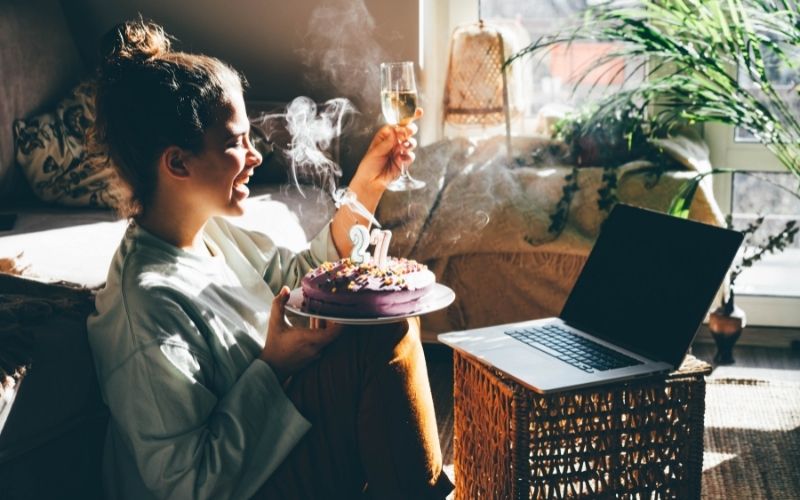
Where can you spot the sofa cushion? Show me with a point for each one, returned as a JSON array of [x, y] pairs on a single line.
[[39, 62], [51, 149], [59, 387], [68, 467]]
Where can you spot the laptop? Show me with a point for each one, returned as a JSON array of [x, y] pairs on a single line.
[[634, 310]]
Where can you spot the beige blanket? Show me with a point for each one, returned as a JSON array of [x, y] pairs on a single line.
[[475, 203]]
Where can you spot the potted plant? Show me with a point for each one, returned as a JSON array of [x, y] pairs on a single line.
[[598, 139], [591, 137], [727, 321]]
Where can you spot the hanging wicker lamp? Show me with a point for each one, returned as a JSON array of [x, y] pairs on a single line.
[[478, 91]]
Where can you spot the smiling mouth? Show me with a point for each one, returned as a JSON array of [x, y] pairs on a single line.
[[242, 179]]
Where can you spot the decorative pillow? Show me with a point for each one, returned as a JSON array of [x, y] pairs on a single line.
[[51, 149]]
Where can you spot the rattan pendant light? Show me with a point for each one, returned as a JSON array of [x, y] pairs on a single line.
[[478, 90]]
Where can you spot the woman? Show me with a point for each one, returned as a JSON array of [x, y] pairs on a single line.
[[212, 393]]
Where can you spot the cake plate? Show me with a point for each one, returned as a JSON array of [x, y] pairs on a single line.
[[439, 297]]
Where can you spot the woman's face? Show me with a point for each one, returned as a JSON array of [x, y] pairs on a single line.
[[222, 169]]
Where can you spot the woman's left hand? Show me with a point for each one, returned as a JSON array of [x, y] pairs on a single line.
[[391, 149]]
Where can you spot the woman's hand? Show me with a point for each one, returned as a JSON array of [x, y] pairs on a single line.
[[290, 348], [390, 150]]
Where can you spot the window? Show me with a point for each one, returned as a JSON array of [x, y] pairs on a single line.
[[785, 81], [555, 76], [769, 291], [549, 83], [777, 275]]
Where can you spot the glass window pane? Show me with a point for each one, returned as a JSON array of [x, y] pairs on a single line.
[[785, 80], [554, 74], [776, 274]]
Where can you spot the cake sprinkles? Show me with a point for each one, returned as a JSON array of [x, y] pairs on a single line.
[[365, 289]]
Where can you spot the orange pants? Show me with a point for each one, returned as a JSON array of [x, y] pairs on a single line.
[[373, 431]]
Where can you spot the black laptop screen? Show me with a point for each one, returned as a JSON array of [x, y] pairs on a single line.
[[649, 281]]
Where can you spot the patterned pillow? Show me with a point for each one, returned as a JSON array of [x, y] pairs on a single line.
[[51, 149]]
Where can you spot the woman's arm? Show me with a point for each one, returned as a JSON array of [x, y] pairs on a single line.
[[391, 148], [191, 433]]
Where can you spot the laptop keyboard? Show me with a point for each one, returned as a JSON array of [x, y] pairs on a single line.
[[578, 351]]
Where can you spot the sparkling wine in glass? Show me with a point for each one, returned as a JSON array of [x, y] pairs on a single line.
[[398, 103]]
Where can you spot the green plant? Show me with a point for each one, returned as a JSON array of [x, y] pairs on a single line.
[[604, 140], [588, 138], [690, 51], [754, 250], [696, 54]]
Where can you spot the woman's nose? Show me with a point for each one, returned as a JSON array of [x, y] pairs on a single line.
[[254, 156]]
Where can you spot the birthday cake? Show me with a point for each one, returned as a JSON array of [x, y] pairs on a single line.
[[360, 290]]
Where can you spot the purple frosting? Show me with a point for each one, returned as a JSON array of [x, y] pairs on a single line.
[[365, 290]]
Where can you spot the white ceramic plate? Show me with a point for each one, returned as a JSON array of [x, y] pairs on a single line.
[[439, 297]]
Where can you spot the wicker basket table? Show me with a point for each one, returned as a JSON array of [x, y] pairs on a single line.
[[635, 439]]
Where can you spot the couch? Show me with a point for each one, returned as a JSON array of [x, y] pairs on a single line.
[[482, 223]]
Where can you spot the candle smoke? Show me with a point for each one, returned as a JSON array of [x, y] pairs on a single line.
[[312, 146], [342, 59], [312, 131], [346, 55]]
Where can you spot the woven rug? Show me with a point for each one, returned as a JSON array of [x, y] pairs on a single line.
[[752, 435]]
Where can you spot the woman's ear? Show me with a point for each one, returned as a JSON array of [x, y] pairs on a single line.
[[173, 162]]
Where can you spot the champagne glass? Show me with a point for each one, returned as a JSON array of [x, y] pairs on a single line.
[[398, 103]]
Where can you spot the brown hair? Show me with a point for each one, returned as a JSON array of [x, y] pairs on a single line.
[[149, 98]]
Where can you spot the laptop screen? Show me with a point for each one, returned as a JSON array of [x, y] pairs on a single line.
[[649, 281]]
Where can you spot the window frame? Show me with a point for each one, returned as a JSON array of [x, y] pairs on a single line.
[[754, 157], [438, 19]]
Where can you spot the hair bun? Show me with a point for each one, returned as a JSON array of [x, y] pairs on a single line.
[[133, 41]]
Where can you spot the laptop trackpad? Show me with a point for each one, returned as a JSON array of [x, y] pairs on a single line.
[[534, 368]]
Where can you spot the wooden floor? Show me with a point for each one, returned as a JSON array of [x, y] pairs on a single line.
[[440, 371]]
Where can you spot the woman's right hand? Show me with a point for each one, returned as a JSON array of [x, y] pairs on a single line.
[[391, 149], [290, 348]]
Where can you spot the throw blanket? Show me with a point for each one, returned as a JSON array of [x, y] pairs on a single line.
[[478, 200], [24, 304]]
